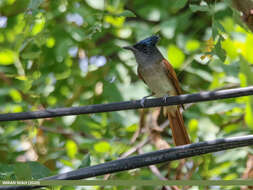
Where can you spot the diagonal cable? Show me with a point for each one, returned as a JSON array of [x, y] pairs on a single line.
[[148, 159], [136, 104]]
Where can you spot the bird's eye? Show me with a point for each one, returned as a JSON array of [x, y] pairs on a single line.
[[144, 48]]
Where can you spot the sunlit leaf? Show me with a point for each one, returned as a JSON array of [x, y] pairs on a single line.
[[115, 21], [193, 128], [17, 109], [231, 176], [131, 128], [218, 170], [246, 78], [15, 95], [175, 56], [247, 53], [21, 77], [7, 57], [52, 100], [248, 114], [39, 24], [228, 24], [71, 148], [66, 162], [230, 48], [102, 147], [192, 45], [50, 42]]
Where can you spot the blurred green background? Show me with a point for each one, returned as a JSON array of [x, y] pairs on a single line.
[[68, 53]]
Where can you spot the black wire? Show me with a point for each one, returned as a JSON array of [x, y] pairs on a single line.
[[147, 159], [155, 102]]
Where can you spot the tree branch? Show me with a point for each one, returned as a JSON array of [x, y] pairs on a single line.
[[246, 7]]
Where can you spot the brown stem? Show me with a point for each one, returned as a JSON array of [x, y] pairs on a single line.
[[246, 7]]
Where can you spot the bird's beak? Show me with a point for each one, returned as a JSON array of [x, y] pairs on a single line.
[[129, 48]]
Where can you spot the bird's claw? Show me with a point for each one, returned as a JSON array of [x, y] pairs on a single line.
[[165, 98], [143, 101]]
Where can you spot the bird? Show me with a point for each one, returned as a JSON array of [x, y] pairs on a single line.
[[160, 77]]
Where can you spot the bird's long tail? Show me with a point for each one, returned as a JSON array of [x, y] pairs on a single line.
[[179, 133]]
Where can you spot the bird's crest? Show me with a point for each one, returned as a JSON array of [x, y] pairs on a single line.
[[150, 41]]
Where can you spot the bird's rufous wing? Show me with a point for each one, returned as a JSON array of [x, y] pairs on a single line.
[[139, 74], [172, 76], [179, 132]]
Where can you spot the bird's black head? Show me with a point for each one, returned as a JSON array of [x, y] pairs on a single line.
[[145, 46]]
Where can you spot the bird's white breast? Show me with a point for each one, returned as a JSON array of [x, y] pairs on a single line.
[[157, 79]]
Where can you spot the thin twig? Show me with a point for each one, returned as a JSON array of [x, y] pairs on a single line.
[[135, 148], [156, 172], [233, 121]]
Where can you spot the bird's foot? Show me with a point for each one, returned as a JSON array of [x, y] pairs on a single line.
[[144, 99], [165, 97]]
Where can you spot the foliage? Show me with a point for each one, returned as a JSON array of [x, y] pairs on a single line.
[[68, 53]]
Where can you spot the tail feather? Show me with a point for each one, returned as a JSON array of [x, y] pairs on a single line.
[[179, 133]]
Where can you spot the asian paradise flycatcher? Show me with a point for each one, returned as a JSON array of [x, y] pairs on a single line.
[[161, 78]]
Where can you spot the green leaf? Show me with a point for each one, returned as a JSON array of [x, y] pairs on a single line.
[[85, 161], [220, 108], [34, 4], [179, 4], [201, 73], [6, 171], [216, 27], [207, 130], [30, 170], [219, 51], [66, 188], [38, 170], [195, 8], [22, 171], [126, 13], [219, 26], [31, 55], [62, 49]]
